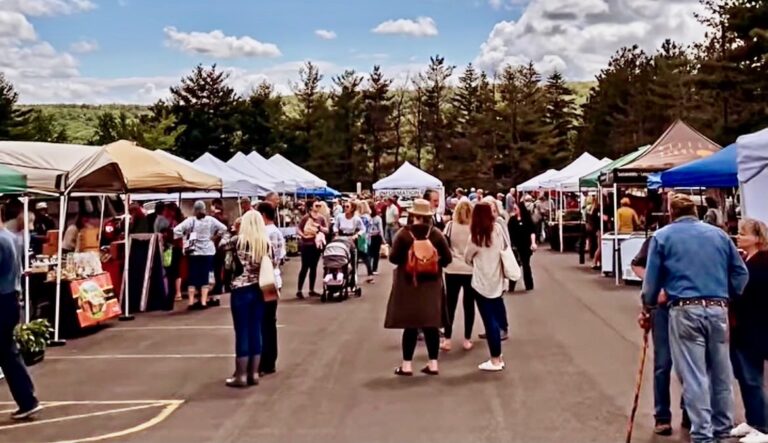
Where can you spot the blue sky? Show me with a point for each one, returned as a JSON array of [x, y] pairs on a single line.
[[132, 50]]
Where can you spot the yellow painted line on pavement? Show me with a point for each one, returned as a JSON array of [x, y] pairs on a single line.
[[169, 409], [78, 416]]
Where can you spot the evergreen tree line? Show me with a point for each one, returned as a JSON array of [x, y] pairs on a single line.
[[491, 131]]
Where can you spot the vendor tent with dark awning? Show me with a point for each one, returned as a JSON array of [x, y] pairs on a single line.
[[679, 145]]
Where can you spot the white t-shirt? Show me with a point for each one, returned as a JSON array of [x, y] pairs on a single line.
[[348, 226]]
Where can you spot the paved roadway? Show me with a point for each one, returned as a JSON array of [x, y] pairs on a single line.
[[571, 366]]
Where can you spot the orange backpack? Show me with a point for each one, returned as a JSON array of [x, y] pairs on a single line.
[[423, 259]]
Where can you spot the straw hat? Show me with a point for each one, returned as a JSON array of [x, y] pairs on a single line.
[[421, 207]]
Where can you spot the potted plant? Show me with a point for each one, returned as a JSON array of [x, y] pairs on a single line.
[[32, 339]]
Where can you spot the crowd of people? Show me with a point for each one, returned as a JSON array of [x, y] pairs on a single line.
[[704, 298]]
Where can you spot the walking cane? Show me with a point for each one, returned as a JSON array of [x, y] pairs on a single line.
[[638, 386]]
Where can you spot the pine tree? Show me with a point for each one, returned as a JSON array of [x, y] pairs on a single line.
[[203, 105], [562, 116], [436, 92], [111, 127], [12, 118], [344, 147], [400, 121], [261, 121], [460, 160], [377, 119], [310, 126], [40, 126]]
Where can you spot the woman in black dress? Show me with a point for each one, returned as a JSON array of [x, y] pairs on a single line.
[[749, 330], [522, 233]]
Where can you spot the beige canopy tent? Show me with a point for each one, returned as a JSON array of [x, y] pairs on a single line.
[[147, 171], [56, 168]]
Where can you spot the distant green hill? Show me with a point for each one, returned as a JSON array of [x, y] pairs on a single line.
[[80, 120]]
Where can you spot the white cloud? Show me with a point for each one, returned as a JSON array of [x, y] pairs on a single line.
[[421, 27], [84, 46], [579, 36], [325, 34], [218, 45], [46, 7], [496, 4], [15, 27]]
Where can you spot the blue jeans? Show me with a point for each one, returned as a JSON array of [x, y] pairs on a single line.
[[662, 366], [490, 311], [749, 371], [698, 337], [19, 382], [247, 310]]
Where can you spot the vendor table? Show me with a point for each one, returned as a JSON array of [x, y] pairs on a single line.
[[627, 246], [85, 302], [571, 235]]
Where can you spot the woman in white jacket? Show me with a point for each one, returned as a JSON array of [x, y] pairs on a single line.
[[484, 254]]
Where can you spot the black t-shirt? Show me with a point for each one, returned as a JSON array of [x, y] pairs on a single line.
[[641, 259]]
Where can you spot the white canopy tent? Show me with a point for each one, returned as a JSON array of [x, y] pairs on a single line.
[[567, 179], [234, 183], [534, 184], [304, 177], [410, 181], [752, 159], [268, 177]]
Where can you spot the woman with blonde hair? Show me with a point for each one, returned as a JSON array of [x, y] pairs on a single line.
[[364, 240], [458, 274], [247, 303], [749, 332]]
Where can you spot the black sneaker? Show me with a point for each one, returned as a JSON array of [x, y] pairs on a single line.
[[26, 414], [686, 421], [663, 428], [300, 295]]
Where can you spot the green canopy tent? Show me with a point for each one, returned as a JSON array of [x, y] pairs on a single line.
[[592, 180], [12, 181]]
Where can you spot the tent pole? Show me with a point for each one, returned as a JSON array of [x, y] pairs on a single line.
[[101, 219], [126, 287], [25, 199], [615, 234], [560, 219], [63, 201]]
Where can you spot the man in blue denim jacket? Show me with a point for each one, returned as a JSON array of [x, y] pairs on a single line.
[[699, 268]]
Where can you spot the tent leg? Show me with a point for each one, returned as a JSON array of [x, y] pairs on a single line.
[[101, 218], [126, 292], [63, 201], [560, 220], [615, 258], [26, 260]]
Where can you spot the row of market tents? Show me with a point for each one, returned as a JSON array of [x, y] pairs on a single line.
[[123, 167], [680, 158]]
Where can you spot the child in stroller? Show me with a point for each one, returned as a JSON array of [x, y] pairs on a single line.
[[339, 273]]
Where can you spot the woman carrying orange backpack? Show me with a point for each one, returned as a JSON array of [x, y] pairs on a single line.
[[417, 301]]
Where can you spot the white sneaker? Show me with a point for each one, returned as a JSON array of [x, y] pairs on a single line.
[[742, 430], [488, 366], [755, 437]]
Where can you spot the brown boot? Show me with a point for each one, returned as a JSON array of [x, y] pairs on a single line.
[[240, 377], [253, 370]]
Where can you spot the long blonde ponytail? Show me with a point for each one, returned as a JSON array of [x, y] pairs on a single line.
[[252, 237]]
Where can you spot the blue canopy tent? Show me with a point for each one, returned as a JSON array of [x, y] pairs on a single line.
[[718, 170], [320, 192]]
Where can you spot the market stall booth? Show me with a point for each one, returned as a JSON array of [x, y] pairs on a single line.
[[752, 160], [534, 184], [719, 170], [680, 144], [596, 180], [409, 182], [60, 170], [567, 226]]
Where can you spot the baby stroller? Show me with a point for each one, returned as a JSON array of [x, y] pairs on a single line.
[[340, 270]]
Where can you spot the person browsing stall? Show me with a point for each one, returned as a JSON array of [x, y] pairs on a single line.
[[310, 227]]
